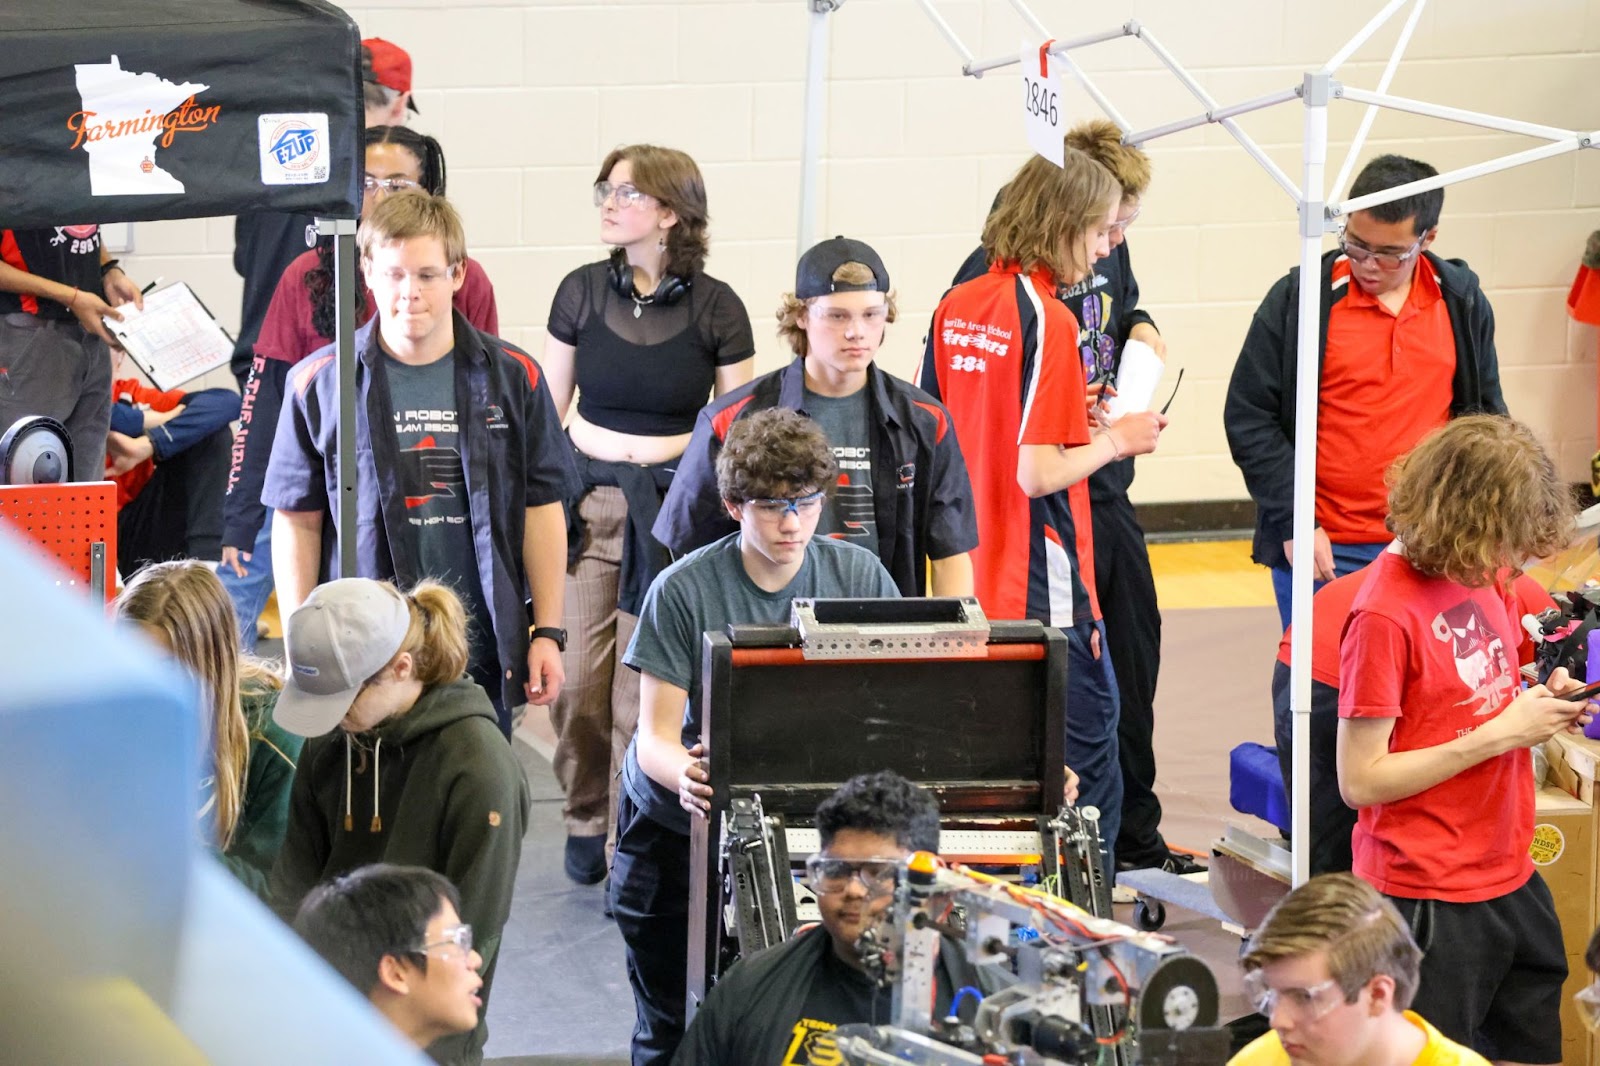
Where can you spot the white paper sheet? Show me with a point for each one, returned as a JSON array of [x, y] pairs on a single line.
[[1137, 379], [174, 339]]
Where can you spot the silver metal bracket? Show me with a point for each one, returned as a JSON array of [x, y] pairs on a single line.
[[1316, 218], [97, 571], [336, 227], [1319, 88], [823, 7]]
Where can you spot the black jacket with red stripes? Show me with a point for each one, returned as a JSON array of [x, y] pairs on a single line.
[[919, 479]]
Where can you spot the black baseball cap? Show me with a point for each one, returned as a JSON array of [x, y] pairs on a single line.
[[814, 275]]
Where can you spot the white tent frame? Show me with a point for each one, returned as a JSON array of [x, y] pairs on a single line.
[[1317, 216]]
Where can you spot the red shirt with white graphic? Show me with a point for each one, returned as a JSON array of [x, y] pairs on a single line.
[[1441, 660]]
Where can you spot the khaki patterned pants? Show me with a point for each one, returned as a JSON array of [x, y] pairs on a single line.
[[598, 709]]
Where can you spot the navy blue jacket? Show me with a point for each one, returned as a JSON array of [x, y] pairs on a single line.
[[204, 412], [513, 452]]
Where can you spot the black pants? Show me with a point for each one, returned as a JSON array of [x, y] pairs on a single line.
[[1331, 821], [650, 901], [178, 513], [1127, 593], [1492, 971]]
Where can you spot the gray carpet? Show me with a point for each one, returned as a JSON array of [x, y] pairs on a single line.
[[560, 993]]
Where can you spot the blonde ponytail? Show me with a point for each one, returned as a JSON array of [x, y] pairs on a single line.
[[437, 639]]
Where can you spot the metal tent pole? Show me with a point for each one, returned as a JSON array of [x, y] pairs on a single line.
[[343, 231], [815, 108], [1315, 95]]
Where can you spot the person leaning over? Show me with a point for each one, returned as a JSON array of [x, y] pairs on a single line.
[[394, 932], [773, 473], [244, 799], [461, 467], [1334, 970], [902, 490], [1407, 344], [404, 762], [780, 1005], [1433, 732], [644, 336]]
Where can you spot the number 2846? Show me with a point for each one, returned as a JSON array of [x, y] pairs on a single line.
[[1040, 100]]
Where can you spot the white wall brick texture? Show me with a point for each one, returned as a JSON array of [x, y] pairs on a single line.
[[528, 96]]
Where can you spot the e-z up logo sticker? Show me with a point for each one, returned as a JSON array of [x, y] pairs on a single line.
[[294, 149]]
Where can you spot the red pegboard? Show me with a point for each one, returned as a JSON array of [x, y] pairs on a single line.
[[63, 521]]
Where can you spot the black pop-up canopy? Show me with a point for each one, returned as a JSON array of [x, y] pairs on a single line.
[[135, 110], [130, 110]]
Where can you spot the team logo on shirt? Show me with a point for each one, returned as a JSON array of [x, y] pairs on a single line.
[[1097, 347], [85, 239], [1480, 656], [428, 471], [812, 1045]]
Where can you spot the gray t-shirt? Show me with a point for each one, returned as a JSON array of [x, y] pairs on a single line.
[[433, 481], [850, 514], [706, 590]]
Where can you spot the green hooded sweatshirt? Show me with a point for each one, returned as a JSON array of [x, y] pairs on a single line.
[[436, 786]]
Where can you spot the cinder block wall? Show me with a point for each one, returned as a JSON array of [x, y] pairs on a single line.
[[527, 97]]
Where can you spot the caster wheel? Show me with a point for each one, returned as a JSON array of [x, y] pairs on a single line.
[[1149, 914]]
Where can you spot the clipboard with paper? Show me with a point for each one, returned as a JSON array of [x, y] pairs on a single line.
[[174, 339]]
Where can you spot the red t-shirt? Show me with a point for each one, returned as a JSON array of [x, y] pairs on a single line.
[[1331, 606], [1387, 381], [288, 336], [1004, 359], [1440, 659]]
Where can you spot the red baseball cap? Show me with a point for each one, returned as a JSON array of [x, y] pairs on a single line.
[[386, 63]]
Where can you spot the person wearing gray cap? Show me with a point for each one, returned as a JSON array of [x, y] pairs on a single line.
[[406, 763], [902, 489]]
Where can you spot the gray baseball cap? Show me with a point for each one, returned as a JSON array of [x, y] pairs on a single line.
[[345, 632]]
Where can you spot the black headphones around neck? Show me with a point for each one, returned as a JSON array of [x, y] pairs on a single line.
[[669, 290]]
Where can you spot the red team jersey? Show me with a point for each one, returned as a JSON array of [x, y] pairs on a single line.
[[1441, 660], [1003, 356]]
